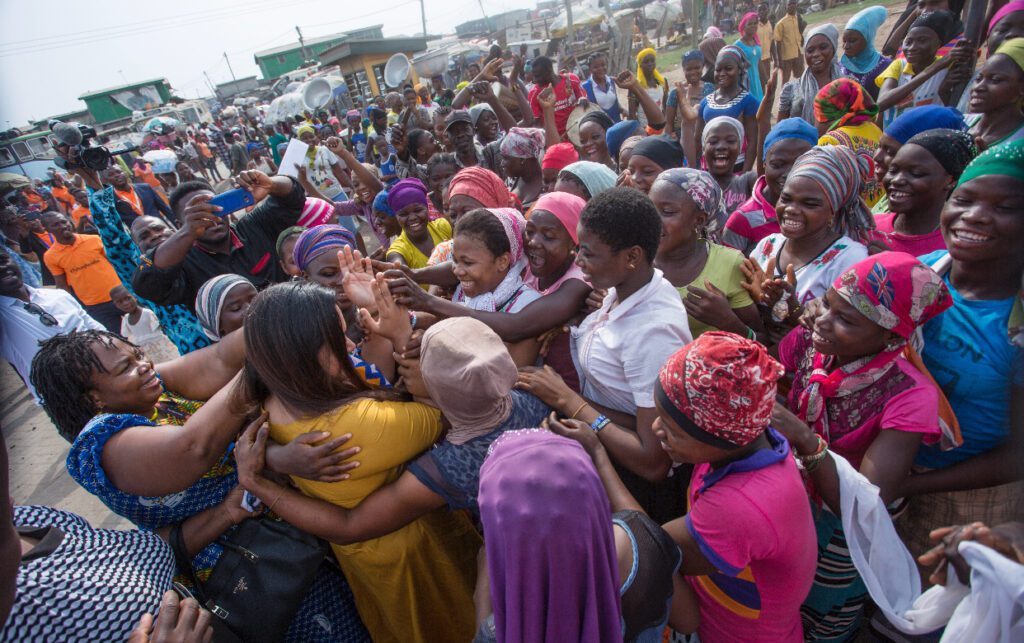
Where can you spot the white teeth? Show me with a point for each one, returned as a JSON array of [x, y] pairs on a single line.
[[818, 338], [898, 194], [964, 235]]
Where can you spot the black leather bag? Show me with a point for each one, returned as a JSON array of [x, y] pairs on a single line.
[[260, 580]]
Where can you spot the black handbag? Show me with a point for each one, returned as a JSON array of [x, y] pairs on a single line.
[[260, 580]]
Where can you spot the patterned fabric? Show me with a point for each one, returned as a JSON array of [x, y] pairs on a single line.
[[314, 242], [703, 189], [514, 225], [523, 143], [405, 193], [953, 149], [210, 301], [833, 609], [178, 322], [841, 173], [843, 102], [862, 139], [893, 290], [366, 371], [722, 383], [734, 52], [482, 185], [1003, 160]]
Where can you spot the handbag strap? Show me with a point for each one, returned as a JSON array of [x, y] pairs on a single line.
[[184, 561]]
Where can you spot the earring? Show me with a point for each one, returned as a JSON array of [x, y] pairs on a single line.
[[632, 267]]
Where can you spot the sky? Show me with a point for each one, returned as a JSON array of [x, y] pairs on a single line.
[[53, 51]]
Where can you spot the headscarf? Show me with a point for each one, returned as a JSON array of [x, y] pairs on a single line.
[[405, 193], [794, 127], [921, 119], [596, 177], [210, 301], [599, 117], [720, 388], [315, 212], [743, 24], [476, 110], [618, 133], [380, 204], [694, 55], [514, 224], [641, 78], [943, 23], [304, 129], [843, 102], [713, 32], [952, 149], [734, 52], [469, 374], [703, 189], [893, 290], [865, 22], [352, 115], [523, 143], [550, 547], [286, 234], [314, 242], [808, 86], [665, 152], [1002, 160], [1014, 49], [1005, 10], [563, 206], [721, 120], [559, 155], [482, 185], [840, 173]]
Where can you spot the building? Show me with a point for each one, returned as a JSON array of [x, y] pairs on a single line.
[[487, 25], [227, 91], [362, 62], [118, 103], [278, 61]]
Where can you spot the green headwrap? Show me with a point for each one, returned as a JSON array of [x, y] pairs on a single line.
[[1002, 160]]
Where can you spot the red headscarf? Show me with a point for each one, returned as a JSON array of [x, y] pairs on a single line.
[[559, 155], [482, 185]]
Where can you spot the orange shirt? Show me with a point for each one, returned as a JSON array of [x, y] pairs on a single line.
[[84, 264], [148, 176], [78, 212], [63, 197], [204, 150]]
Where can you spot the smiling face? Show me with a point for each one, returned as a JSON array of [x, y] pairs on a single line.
[[592, 142], [307, 137], [549, 248], [602, 266], [779, 161], [916, 181], [721, 149], [129, 383], [599, 68], [692, 71], [387, 224], [887, 149], [920, 46], [681, 219], [982, 220], [60, 227], [818, 54], [999, 84], [461, 136], [149, 232], [11, 282], [460, 204], [237, 303], [727, 73], [853, 43], [843, 332], [413, 219], [644, 172], [380, 145], [478, 270], [803, 211]]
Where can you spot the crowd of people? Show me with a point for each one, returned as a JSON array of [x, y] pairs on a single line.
[[683, 366]]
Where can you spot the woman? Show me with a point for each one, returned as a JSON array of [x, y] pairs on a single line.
[[322, 166], [585, 179], [730, 98], [593, 138], [556, 158], [521, 150], [750, 44], [845, 115], [997, 95], [485, 123], [820, 47], [414, 584], [366, 184], [617, 135], [1007, 23], [285, 247], [649, 80], [420, 146], [601, 89], [221, 304], [721, 144], [619, 348], [693, 91], [821, 216], [919, 180], [470, 189], [710, 45], [408, 200], [967, 351], [855, 394], [860, 60], [755, 219], [707, 275], [144, 445], [905, 127], [651, 156]]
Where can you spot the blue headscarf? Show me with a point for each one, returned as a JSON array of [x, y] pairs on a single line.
[[921, 119], [617, 135], [794, 127], [866, 22], [380, 203], [692, 56]]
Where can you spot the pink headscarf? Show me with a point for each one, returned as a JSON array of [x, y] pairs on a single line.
[[1007, 9], [743, 24], [565, 207]]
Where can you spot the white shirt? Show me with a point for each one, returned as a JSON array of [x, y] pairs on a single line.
[[146, 330], [21, 331], [619, 348], [816, 276]]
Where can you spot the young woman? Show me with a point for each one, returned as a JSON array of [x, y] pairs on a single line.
[[601, 89], [1007, 23], [585, 179], [997, 95], [650, 81], [470, 189], [221, 304], [755, 218], [693, 91], [820, 49], [617, 135], [707, 275], [619, 348], [730, 98], [855, 394], [861, 61], [919, 179], [485, 123], [322, 166], [750, 44], [521, 150], [845, 115], [721, 142], [651, 156], [593, 142], [408, 200]]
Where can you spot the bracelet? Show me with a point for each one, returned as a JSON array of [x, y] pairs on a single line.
[[271, 507], [599, 423], [811, 462], [577, 411]]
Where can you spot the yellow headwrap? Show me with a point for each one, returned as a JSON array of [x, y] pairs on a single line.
[[640, 72], [303, 129], [1014, 48]]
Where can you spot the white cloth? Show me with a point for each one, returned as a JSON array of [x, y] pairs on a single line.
[[21, 331], [619, 348], [321, 174], [148, 335], [501, 299], [606, 99]]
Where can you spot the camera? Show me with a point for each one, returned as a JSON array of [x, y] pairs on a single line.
[[81, 153]]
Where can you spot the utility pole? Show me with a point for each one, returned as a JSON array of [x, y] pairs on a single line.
[[302, 44], [423, 16], [569, 38], [210, 83], [229, 66]]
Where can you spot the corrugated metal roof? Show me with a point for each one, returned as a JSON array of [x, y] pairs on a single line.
[[141, 83], [312, 41]]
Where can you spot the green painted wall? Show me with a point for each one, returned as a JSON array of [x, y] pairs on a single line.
[[105, 109], [274, 65]]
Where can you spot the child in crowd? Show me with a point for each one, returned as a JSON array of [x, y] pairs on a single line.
[[140, 326]]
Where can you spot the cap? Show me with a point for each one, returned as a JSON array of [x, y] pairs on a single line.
[[460, 116]]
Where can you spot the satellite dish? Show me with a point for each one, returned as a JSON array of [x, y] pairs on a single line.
[[396, 70], [317, 93]]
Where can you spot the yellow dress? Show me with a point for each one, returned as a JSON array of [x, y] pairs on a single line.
[[415, 584]]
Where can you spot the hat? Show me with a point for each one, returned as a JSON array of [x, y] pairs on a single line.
[[458, 116]]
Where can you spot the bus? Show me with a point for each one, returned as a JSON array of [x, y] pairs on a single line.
[[28, 154]]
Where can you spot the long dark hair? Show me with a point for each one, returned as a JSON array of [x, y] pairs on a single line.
[[286, 327]]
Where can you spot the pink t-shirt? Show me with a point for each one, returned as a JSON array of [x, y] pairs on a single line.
[[754, 220], [559, 355], [574, 272], [913, 244], [752, 521]]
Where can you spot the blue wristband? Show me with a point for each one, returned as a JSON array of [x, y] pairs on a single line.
[[599, 423]]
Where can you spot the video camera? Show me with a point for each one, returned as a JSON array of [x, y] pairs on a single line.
[[77, 137]]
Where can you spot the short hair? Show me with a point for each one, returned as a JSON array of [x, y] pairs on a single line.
[[543, 62], [485, 226], [623, 218], [118, 288], [444, 158], [184, 189]]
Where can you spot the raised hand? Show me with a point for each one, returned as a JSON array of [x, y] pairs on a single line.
[[358, 278], [392, 320], [256, 182], [546, 98], [626, 80]]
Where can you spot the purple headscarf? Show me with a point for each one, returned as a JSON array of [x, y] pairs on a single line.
[[407, 192], [550, 548]]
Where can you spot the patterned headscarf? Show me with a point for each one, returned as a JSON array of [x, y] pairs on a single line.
[[405, 193], [210, 301], [1002, 160], [314, 242], [380, 204], [523, 143], [952, 149], [563, 206], [482, 185], [893, 290], [840, 173], [720, 388], [559, 155], [643, 80], [843, 102], [743, 25], [596, 177], [703, 189]]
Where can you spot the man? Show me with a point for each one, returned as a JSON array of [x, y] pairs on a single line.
[[79, 265], [239, 154], [789, 43], [274, 138], [215, 135], [61, 194], [149, 232], [567, 89], [29, 315], [80, 214], [355, 138], [26, 230], [207, 244], [766, 34], [458, 127], [134, 199]]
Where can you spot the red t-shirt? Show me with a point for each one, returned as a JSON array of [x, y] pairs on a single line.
[[567, 91]]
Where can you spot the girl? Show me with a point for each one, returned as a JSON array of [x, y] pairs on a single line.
[[861, 61], [721, 143], [996, 97], [408, 200], [797, 98], [692, 92], [730, 98], [556, 158], [601, 89], [322, 166], [521, 150], [384, 217], [750, 44], [707, 275], [585, 179], [650, 81], [845, 115], [285, 248], [593, 142], [440, 168], [651, 156], [221, 304]]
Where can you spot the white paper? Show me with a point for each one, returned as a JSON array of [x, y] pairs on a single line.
[[294, 155]]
